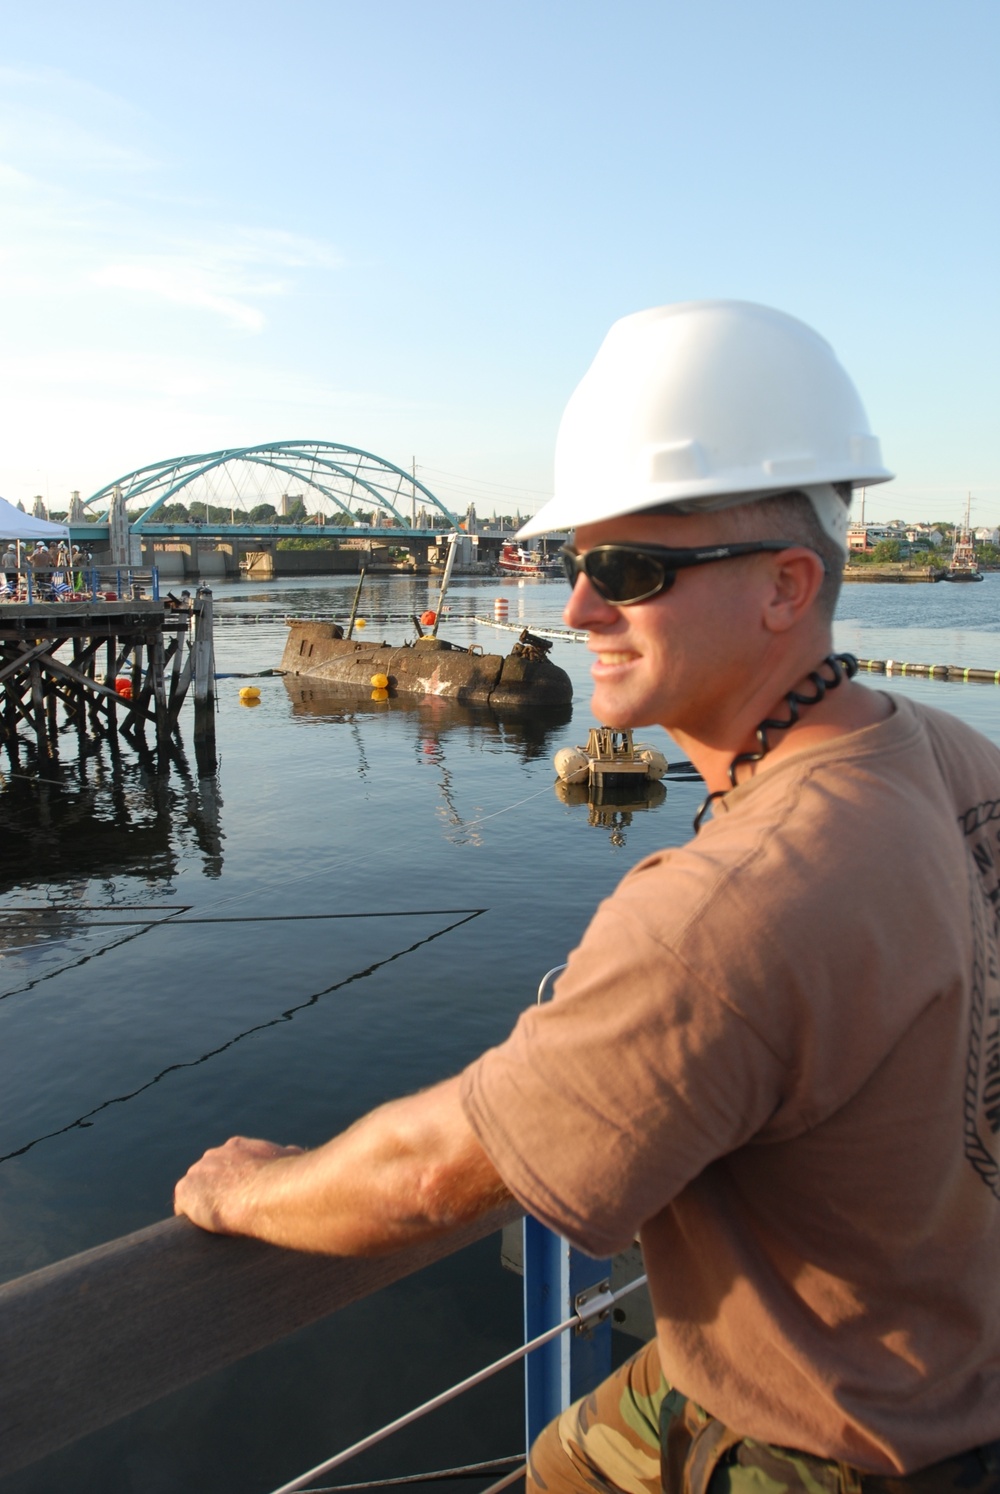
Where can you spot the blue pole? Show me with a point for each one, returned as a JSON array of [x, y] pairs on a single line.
[[574, 1363], [30, 596], [156, 583]]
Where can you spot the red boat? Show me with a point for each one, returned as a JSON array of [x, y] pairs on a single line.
[[515, 560]]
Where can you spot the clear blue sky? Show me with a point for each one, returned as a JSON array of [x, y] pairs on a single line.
[[408, 226]]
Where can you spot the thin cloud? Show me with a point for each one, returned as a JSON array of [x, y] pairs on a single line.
[[69, 232], [221, 276], [48, 118], [185, 285]]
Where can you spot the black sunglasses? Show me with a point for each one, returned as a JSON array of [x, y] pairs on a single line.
[[625, 574]]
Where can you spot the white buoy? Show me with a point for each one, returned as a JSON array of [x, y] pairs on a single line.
[[572, 765], [656, 763]]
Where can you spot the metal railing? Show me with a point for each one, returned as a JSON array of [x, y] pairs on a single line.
[[90, 1339], [93, 1338], [56, 583]]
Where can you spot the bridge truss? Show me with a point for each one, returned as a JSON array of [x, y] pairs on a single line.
[[333, 482]]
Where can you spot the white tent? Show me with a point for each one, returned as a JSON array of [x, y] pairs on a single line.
[[15, 525]]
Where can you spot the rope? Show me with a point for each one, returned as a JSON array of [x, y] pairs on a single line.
[[470, 824], [286, 1016], [597, 1305], [119, 923]]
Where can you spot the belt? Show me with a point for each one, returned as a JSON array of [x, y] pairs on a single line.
[[695, 1446]]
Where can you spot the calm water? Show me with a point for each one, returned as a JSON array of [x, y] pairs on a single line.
[[133, 1037]]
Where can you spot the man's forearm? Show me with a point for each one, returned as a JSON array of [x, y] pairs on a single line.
[[409, 1171]]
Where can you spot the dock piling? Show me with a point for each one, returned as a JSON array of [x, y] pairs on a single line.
[[204, 680]]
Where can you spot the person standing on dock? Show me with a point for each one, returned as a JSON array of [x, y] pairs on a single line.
[[8, 583], [41, 564], [776, 1052]]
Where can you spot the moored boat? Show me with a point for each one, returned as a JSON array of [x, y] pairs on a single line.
[[963, 565], [515, 560], [610, 760]]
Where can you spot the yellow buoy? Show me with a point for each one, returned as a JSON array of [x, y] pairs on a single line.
[[360, 623], [380, 694], [250, 695], [380, 681]]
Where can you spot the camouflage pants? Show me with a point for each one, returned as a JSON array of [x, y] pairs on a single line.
[[610, 1443]]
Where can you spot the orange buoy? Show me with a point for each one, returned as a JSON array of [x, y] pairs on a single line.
[[428, 618], [123, 687], [380, 681]]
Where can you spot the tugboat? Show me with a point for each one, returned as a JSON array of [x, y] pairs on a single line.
[[963, 565], [515, 560]]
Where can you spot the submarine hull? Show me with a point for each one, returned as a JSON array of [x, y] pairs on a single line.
[[429, 666]]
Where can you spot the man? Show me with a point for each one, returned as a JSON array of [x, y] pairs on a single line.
[[776, 1052], [41, 564]]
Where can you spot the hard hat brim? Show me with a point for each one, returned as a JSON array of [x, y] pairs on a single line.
[[560, 515]]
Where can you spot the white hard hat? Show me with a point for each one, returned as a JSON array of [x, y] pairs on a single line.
[[704, 405]]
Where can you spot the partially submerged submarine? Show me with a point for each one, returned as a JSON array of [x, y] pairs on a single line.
[[428, 666]]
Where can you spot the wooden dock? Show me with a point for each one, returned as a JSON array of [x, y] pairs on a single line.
[[103, 668]]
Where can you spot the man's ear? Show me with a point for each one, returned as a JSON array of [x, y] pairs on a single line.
[[796, 576]]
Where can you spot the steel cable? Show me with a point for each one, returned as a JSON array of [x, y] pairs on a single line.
[[594, 1308]]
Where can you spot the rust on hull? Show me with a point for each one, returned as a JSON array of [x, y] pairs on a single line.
[[429, 666]]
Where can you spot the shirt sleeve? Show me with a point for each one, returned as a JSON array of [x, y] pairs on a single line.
[[603, 1104]]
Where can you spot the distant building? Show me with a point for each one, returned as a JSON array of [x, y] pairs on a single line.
[[923, 536], [866, 536]]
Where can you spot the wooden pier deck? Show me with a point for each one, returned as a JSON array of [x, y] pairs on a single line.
[[60, 661]]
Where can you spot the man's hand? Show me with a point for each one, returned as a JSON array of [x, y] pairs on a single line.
[[409, 1171], [220, 1187]]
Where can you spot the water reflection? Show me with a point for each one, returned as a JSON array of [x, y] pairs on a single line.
[[101, 820], [430, 717], [612, 809]]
